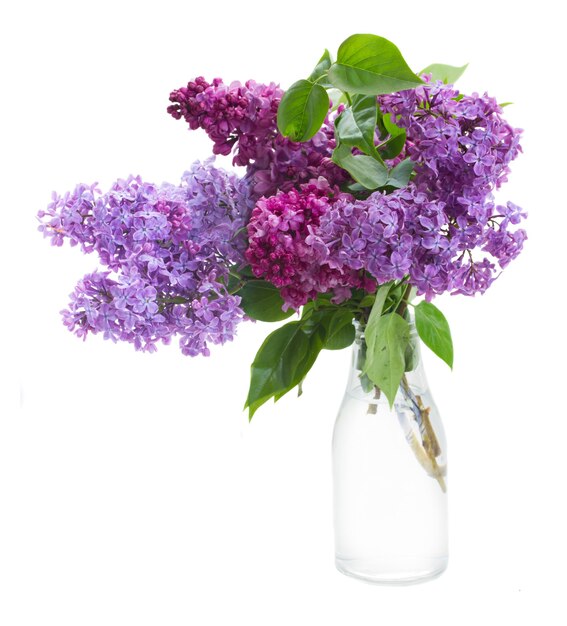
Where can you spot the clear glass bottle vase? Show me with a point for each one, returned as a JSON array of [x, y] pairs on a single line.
[[389, 474]]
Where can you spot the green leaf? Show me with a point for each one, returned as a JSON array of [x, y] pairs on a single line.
[[371, 65], [337, 97], [321, 68], [312, 309], [505, 104], [302, 110], [394, 298], [355, 188], [395, 144], [391, 127], [262, 301], [276, 365], [285, 358], [433, 329], [316, 337], [449, 74], [340, 330], [400, 175], [368, 300], [364, 169], [377, 308], [385, 364], [356, 125], [410, 356]]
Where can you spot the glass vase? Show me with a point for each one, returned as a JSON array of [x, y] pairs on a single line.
[[389, 475]]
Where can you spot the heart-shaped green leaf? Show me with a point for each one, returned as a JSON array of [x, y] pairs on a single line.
[[372, 65], [395, 144], [262, 301], [275, 366], [302, 110], [433, 329], [364, 169], [321, 69], [356, 125], [399, 176], [385, 360], [380, 298], [340, 331], [316, 338], [449, 74]]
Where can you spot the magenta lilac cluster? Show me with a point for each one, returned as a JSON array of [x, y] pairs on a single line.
[[283, 247], [242, 119], [168, 251]]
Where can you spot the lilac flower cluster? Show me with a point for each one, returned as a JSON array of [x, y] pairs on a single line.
[[444, 230], [406, 233], [168, 250], [233, 116], [243, 119], [462, 147], [282, 246]]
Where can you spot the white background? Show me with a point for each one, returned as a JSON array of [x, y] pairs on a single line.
[[132, 488]]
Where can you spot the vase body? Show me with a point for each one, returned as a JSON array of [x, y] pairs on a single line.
[[389, 476]]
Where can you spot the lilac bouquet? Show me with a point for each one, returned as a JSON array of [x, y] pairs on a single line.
[[363, 186]]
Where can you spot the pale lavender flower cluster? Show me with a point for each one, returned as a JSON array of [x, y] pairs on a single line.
[[168, 250], [243, 119]]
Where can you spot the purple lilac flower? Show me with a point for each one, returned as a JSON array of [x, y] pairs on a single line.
[[168, 250], [406, 233], [242, 119], [283, 249], [462, 147], [309, 241], [234, 114], [444, 230]]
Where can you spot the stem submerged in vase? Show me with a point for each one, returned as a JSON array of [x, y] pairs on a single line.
[[412, 412], [427, 449]]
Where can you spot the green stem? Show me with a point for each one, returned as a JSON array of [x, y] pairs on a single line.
[[237, 287], [403, 303], [322, 77]]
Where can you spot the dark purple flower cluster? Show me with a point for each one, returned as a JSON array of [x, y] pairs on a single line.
[[234, 116], [282, 247], [243, 119], [168, 250]]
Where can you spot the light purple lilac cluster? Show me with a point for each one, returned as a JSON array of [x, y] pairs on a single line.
[[168, 251], [462, 147], [443, 230], [407, 233], [243, 119]]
